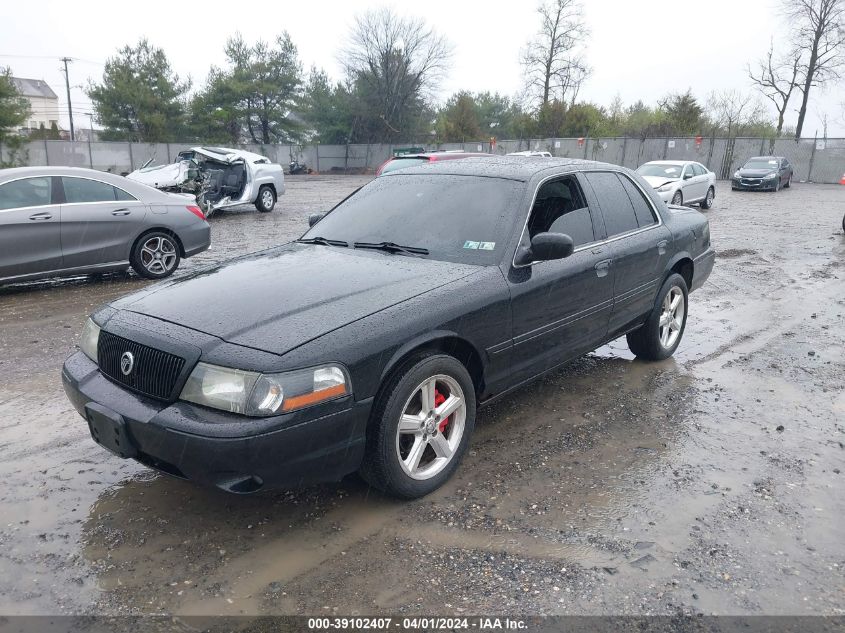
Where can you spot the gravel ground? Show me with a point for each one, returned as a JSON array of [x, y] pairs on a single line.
[[708, 483]]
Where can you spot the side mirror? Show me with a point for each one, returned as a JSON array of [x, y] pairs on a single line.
[[545, 247], [687, 176], [314, 218]]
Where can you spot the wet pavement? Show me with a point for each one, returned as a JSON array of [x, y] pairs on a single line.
[[708, 483]]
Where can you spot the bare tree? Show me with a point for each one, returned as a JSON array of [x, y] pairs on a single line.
[[734, 111], [395, 63], [819, 34], [776, 79], [553, 61]]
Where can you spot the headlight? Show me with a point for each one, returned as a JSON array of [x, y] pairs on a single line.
[[665, 188], [254, 394], [736, 175], [771, 176], [90, 337]]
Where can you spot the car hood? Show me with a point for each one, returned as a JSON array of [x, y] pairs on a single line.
[[168, 175], [755, 173], [280, 299], [658, 181]]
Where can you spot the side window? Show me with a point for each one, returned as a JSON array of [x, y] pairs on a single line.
[[560, 208], [698, 170], [27, 192], [642, 209], [84, 190], [784, 163], [120, 194], [616, 207]]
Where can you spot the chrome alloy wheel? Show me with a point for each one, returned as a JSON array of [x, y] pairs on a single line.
[[709, 199], [672, 317], [431, 427], [267, 199], [158, 255]]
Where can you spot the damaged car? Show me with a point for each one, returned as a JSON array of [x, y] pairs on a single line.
[[218, 177]]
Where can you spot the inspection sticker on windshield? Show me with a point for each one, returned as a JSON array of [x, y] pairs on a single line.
[[472, 245], [487, 246]]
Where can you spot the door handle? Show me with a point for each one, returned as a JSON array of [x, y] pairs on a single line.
[[602, 267], [43, 215], [123, 211], [661, 246]]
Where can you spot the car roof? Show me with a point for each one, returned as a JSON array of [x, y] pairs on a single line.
[[671, 162], [441, 155], [521, 168], [765, 157]]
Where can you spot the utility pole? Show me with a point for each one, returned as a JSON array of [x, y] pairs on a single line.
[[67, 87]]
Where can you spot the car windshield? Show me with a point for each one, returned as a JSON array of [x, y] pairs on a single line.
[[762, 163], [402, 163], [662, 170], [463, 219]]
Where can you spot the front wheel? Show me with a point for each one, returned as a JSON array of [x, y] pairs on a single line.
[[708, 199], [660, 335], [266, 199], [788, 182], [678, 198], [420, 427], [155, 255]]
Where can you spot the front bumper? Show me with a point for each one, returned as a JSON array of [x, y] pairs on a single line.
[[666, 196], [753, 184], [199, 444]]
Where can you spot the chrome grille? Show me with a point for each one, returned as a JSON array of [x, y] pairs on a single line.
[[154, 372]]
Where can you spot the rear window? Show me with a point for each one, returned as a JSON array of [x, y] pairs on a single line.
[[402, 163]]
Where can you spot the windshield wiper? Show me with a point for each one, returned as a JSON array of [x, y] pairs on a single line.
[[391, 247], [323, 241]]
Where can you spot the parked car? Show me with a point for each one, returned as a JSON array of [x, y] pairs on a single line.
[[763, 173], [410, 160], [219, 177], [58, 221], [681, 182], [369, 343], [531, 153]]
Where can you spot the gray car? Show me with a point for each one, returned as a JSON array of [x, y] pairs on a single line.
[[57, 221]]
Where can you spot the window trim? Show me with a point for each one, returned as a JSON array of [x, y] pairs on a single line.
[[49, 204], [602, 242]]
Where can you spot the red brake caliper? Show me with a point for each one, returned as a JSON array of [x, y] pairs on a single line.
[[439, 399]]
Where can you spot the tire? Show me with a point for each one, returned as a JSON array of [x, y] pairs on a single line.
[[788, 182], [389, 459], [777, 186], [678, 198], [266, 199], [708, 199], [843, 223], [646, 342], [155, 255]]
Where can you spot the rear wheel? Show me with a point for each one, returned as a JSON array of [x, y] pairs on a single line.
[[155, 255], [266, 199], [660, 335], [678, 198], [420, 427], [708, 199]]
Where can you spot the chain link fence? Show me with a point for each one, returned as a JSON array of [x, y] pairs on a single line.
[[814, 160]]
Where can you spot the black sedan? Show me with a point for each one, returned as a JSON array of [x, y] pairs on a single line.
[[764, 173], [369, 343]]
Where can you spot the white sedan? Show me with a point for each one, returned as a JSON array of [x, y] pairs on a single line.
[[681, 182]]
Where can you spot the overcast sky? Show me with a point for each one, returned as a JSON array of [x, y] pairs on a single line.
[[638, 49]]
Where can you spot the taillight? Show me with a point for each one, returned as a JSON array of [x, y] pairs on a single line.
[[196, 211], [381, 167]]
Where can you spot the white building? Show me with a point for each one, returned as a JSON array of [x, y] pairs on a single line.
[[43, 102]]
